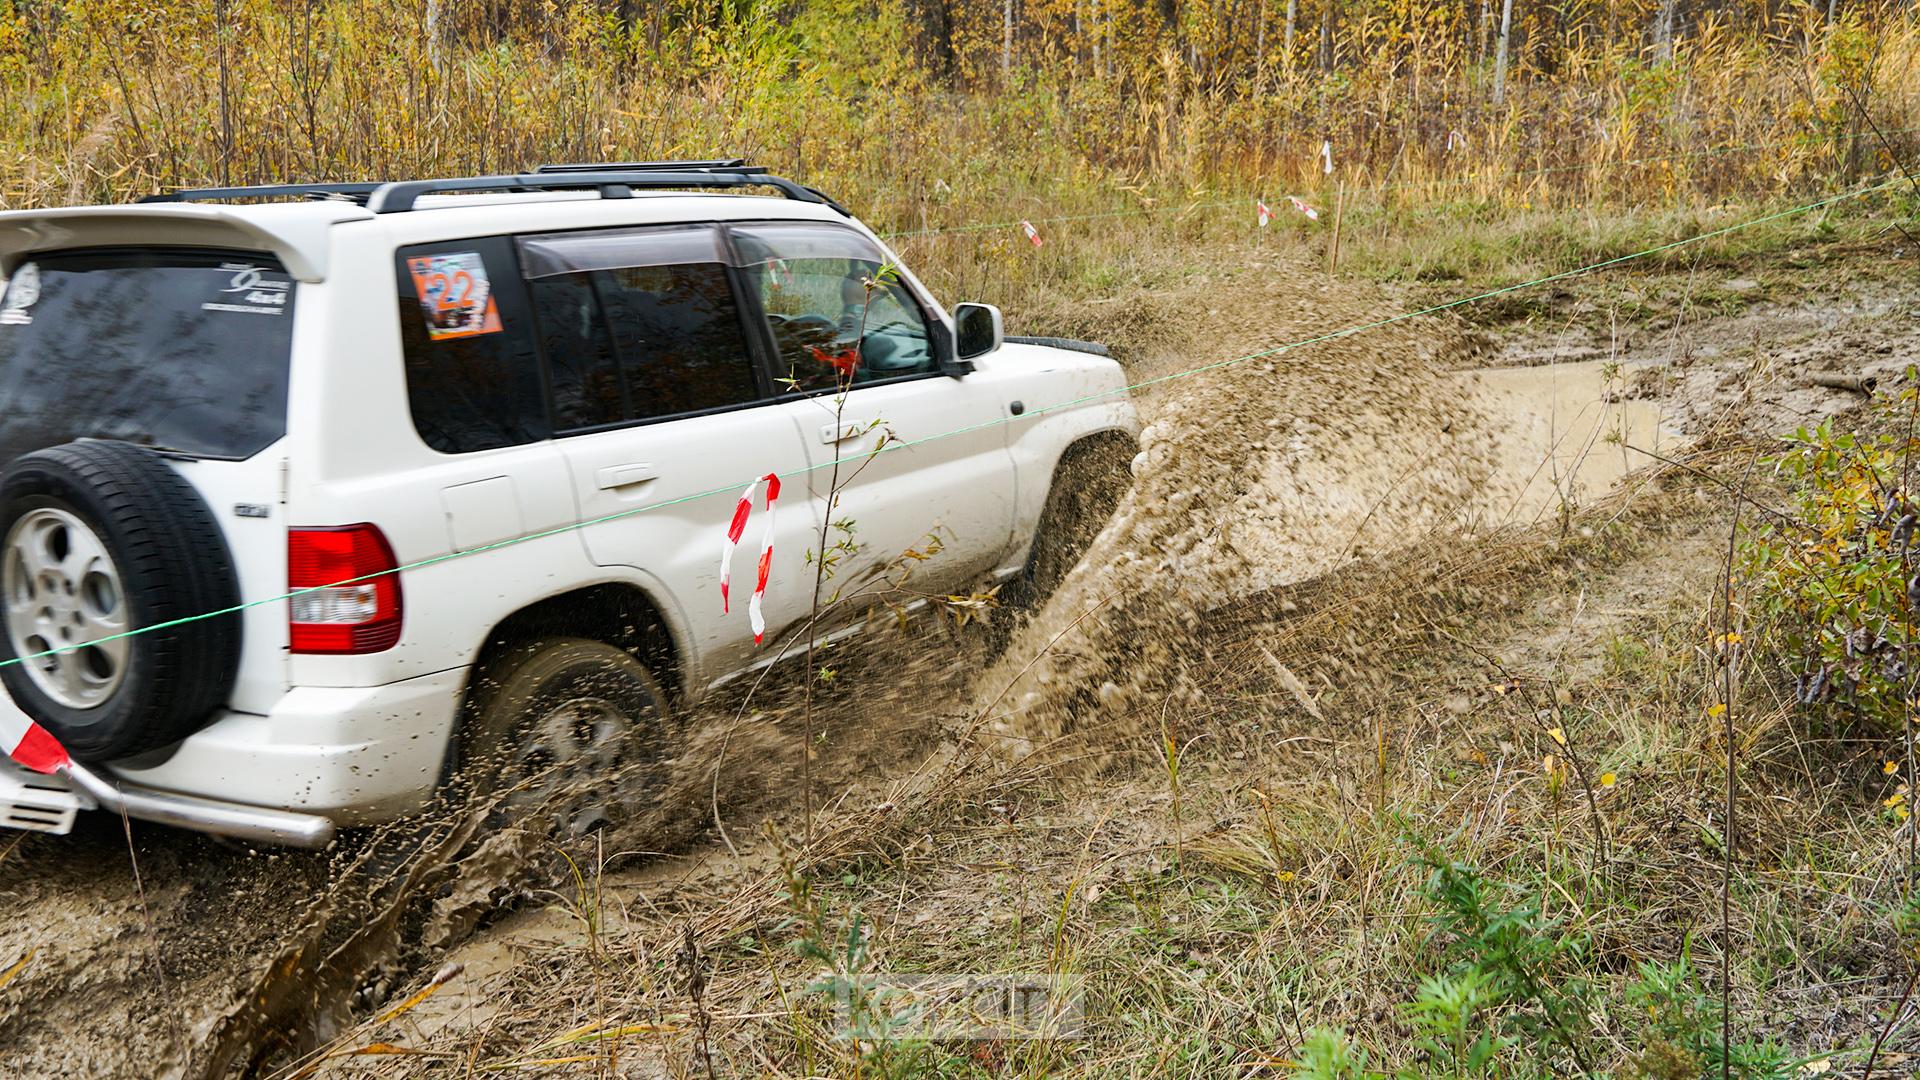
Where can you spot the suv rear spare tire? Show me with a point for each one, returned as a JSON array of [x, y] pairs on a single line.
[[99, 539]]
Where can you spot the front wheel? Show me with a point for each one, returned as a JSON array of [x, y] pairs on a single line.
[[562, 734], [1087, 486]]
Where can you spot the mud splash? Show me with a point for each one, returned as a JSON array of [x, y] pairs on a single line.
[[1250, 477]]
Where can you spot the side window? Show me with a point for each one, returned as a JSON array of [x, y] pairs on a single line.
[[679, 336], [473, 378], [810, 279], [638, 324]]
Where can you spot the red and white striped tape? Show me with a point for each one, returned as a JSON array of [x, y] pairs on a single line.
[[1033, 234], [1304, 207], [1266, 215], [734, 528], [30, 744]]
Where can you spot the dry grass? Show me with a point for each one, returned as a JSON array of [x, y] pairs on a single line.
[[118, 99]]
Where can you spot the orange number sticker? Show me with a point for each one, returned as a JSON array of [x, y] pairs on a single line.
[[454, 294]]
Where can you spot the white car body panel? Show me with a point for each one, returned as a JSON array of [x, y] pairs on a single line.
[[484, 535]]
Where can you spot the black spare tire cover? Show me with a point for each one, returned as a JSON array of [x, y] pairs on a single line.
[[99, 537]]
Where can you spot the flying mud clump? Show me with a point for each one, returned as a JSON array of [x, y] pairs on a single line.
[[1250, 476]]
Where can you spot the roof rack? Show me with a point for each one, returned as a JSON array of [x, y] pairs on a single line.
[[356, 192], [738, 165], [614, 181]]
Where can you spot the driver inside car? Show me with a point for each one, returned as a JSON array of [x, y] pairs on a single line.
[[831, 326]]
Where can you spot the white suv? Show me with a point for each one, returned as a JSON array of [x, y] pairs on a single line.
[[538, 398]]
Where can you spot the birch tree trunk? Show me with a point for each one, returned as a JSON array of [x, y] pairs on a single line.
[[1286, 42], [1260, 36], [435, 58], [1006, 38], [1326, 37], [1500, 57]]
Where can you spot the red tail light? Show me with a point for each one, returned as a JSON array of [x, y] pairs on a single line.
[[345, 608]]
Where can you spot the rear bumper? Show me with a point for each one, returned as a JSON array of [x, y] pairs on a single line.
[[354, 755]]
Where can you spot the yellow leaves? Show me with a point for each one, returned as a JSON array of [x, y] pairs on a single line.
[[1717, 710], [1890, 768], [387, 1048], [597, 1032], [1557, 736], [18, 966], [1893, 800], [1608, 779], [440, 979]]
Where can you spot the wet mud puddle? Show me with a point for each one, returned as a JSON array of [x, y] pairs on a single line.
[[1565, 433]]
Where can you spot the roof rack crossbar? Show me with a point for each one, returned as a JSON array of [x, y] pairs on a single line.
[[358, 191], [614, 181], [738, 165], [613, 184]]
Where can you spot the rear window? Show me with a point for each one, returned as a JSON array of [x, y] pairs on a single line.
[[181, 350]]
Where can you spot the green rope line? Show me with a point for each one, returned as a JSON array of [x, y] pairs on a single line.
[[1185, 207], [1028, 415]]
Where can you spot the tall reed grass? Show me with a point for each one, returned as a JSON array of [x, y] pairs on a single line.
[[110, 99]]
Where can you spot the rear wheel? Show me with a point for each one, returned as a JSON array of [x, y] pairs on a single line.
[[563, 734]]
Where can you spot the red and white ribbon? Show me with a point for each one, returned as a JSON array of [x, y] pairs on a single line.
[[734, 528], [1326, 156], [30, 744], [1266, 215], [1033, 234], [1302, 205]]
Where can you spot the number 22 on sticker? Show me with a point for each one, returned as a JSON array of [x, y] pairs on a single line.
[[441, 288], [455, 295]]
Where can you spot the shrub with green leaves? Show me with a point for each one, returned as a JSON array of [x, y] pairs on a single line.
[[1835, 581]]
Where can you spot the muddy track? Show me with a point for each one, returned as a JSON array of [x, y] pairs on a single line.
[[217, 961]]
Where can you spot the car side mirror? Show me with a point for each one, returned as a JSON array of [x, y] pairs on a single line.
[[977, 329]]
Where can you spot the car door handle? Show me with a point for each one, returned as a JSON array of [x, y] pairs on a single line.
[[619, 476], [843, 432]]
